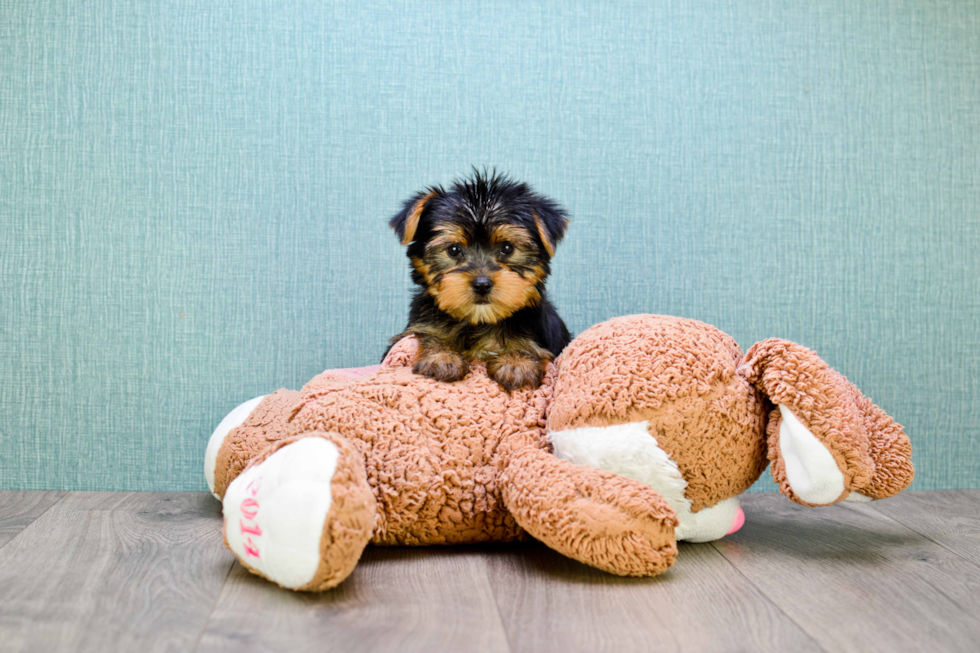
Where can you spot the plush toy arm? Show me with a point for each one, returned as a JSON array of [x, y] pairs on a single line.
[[402, 354], [827, 441], [599, 518]]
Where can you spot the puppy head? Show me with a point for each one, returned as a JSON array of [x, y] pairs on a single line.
[[481, 249]]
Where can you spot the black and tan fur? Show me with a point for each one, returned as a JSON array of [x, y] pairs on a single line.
[[480, 254]]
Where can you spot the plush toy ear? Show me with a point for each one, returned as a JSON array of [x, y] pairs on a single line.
[[827, 441], [406, 222], [551, 223]]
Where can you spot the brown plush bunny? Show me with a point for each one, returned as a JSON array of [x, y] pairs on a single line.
[[643, 433]]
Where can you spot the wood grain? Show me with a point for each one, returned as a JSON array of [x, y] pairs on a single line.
[[950, 518], [18, 509], [149, 572], [397, 599], [551, 603], [107, 571], [857, 581]]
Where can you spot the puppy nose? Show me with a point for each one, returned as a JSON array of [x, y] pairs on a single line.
[[482, 285]]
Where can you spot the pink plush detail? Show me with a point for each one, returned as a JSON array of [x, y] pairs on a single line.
[[402, 354], [738, 522]]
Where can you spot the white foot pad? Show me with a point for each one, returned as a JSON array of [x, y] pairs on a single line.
[[231, 420], [710, 524], [275, 511], [811, 469]]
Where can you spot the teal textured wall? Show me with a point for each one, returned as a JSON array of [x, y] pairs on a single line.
[[193, 197]]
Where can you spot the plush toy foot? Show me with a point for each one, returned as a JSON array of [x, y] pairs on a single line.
[[232, 420], [243, 434], [301, 513], [630, 450], [827, 441], [599, 518]]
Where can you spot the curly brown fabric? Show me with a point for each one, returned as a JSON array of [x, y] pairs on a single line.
[[431, 449], [680, 376], [426, 462], [267, 424], [871, 450], [350, 521], [890, 449], [602, 519]]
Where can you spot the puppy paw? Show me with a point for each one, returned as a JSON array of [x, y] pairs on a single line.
[[513, 372], [441, 365]]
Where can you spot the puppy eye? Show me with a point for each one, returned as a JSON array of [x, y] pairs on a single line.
[[455, 251], [506, 249]]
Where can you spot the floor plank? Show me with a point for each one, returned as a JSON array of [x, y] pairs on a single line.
[[104, 571], [950, 518], [19, 508], [397, 599], [857, 581], [135, 571], [551, 603]]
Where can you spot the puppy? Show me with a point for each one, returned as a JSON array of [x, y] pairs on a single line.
[[480, 255]]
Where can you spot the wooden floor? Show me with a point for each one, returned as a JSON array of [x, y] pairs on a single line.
[[86, 571]]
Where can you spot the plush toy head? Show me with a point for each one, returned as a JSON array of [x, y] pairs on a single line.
[[659, 399], [673, 403]]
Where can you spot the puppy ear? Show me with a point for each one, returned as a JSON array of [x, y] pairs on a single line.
[[406, 222], [551, 222]]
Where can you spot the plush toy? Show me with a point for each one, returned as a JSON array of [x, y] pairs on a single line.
[[644, 432]]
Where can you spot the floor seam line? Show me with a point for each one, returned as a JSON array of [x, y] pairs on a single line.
[[217, 597], [766, 596], [64, 493], [920, 534], [496, 604]]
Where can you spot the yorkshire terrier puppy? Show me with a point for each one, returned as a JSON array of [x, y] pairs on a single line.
[[480, 255]]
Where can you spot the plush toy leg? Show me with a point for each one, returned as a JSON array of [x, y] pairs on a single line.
[[826, 441], [599, 518], [302, 512], [243, 434], [255, 424]]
